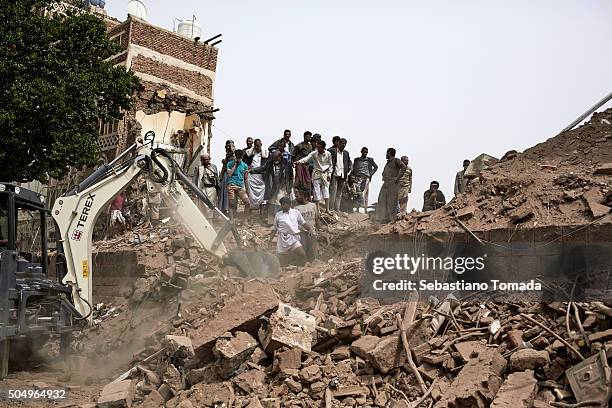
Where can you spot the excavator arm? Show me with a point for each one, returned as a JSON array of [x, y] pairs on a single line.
[[76, 212]]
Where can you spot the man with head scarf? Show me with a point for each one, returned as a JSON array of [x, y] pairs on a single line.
[[255, 182], [207, 179], [386, 208]]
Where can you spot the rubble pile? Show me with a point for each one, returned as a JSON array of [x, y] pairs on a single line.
[[346, 351], [565, 180]]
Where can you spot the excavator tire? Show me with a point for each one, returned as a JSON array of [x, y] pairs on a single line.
[[254, 263]]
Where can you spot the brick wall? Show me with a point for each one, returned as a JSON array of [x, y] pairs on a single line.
[[174, 45], [200, 84]]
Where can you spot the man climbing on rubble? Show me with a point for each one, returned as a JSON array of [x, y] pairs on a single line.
[[207, 179], [288, 223], [255, 182], [433, 198], [460, 180], [288, 143], [236, 170], [341, 167], [351, 196], [310, 212], [405, 187], [364, 168], [117, 214], [321, 173], [278, 178], [386, 208]]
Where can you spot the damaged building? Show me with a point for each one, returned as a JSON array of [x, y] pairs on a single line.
[[176, 99]]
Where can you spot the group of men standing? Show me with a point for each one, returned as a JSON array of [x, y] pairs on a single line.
[[260, 177], [311, 175]]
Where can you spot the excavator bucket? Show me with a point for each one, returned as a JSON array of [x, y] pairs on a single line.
[[254, 263]]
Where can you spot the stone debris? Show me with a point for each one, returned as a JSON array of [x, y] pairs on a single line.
[[308, 338], [528, 359], [117, 395], [518, 391], [288, 327], [477, 382], [232, 351]]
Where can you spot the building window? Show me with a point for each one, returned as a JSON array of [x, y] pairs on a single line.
[[108, 135]]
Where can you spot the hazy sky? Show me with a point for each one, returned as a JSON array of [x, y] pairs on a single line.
[[438, 80]]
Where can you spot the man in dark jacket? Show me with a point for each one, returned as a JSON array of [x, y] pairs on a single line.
[[278, 177], [433, 198], [341, 167], [288, 143]]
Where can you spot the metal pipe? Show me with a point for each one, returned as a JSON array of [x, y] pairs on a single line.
[[215, 43], [592, 109], [12, 221], [132, 147], [212, 38], [43, 242]]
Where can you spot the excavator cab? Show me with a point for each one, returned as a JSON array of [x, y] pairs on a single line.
[[32, 305]]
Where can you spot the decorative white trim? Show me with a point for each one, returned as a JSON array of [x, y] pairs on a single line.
[[181, 89], [168, 60]]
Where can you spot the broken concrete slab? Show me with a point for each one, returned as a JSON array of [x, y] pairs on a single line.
[[287, 360], [429, 371], [209, 395], [240, 313], [117, 395], [341, 353], [311, 374], [477, 383], [363, 345], [605, 168], [467, 212], [388, 354], [153, 400], [528, 359], [515, 338], [594, 200], [232, 351], [518, 391], [288, 327], [179, 346], [254, 403], [470, 349], [250, 381]]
